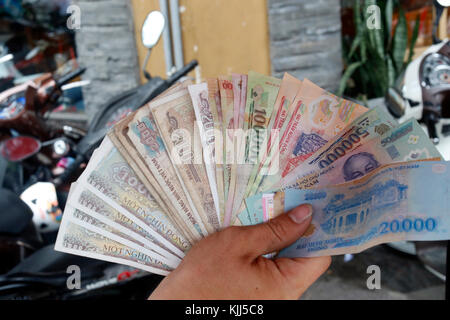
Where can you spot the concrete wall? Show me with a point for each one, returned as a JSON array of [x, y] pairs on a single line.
[[225, 36], [305, 40], [270, 36], [106, 46]]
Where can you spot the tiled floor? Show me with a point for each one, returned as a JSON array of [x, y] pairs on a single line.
[[402, 277]]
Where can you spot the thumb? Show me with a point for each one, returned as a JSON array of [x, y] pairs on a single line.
[[280, 232]]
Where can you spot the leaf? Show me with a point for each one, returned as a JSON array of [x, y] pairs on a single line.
[[414, 36], [347, 74], [377, 71], [378, 36], [363, 48], [360, 31], [389, 12], [375, 34], [400, 41], [363, 79], [390, 71], [375, 56], [357, 17], [355, 44]]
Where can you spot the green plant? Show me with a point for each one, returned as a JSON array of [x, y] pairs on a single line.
[[375, 57]]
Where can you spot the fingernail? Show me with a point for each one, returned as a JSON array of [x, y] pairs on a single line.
[[301, 213]]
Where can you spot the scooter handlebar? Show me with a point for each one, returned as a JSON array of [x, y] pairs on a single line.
[[67, 77], [182, 72]]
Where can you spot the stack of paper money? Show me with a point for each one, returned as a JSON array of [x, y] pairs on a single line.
[[201, 157]]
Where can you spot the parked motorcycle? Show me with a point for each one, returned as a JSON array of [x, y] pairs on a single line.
[[31, 267], [423, 92]]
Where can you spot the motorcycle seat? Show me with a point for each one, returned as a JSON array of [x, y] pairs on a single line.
[[47, 260], [15, 215]]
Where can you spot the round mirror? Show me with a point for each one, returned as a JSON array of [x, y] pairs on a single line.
[[152, 28], [19, 148], [444, 3]]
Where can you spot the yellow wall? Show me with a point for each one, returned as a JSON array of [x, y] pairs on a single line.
[[225, 36]]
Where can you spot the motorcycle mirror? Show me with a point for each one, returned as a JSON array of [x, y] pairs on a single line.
[[152, 28], [19, 148], [444, 3]]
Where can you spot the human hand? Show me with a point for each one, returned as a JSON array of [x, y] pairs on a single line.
[[229, 264]]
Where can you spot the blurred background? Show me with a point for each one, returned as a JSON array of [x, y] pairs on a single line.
[[308, 39], [82, 54]]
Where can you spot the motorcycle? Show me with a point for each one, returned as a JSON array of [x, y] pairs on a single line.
[[30, 266], [423, 92]]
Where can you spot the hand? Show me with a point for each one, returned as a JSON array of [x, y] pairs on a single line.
[[228, 264]]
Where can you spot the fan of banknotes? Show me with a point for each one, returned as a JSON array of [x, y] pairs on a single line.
[[242, 149]]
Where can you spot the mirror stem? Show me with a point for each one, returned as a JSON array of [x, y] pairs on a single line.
[[144, 71], [439, 9]]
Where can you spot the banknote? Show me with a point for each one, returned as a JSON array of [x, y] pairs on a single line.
[[318, 116], [231, 140], [205, 122], [216, 111], [239, 111], [227, 105], [215, 100], [93, 224], [407, 142], [94, 206], [74, 238], [290, 87], [240, 150], [244, 86], [392, 203], [134, 160], [175, 118], [262, 92], [147, 142], [114, 171], [236, 80], [369, 125], [110, 178], [269, 206], [119, 137], [236, 137]]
